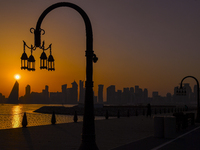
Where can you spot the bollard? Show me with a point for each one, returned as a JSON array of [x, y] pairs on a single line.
[[24, 121], [106, 116], [53, 118], [158, 126], [170, 127], [75, 117]]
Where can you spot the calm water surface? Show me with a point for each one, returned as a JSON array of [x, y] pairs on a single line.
[[11, 116]]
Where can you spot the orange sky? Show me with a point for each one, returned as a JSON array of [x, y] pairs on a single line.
[[152, 44]]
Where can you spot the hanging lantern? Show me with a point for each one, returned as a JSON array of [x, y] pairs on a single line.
[[43, 61], [24, 61], [51, 63], [31, 63]]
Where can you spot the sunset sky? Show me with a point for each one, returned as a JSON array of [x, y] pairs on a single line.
[[150, 43]]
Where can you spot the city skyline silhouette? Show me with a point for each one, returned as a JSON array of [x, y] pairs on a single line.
[[75, 94]]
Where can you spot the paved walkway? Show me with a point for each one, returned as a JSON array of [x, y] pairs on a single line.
[[125, 133], [187, 139]]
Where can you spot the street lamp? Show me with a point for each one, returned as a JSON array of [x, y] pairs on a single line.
[[29, 63], [24, 60], [88, 130], [182, 91]]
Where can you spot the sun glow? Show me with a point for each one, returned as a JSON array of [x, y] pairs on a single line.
[[17, 76]]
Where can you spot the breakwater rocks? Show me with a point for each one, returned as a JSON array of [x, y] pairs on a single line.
[[111, 110]]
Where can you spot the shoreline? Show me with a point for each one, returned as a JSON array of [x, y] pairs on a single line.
[[112, 110]]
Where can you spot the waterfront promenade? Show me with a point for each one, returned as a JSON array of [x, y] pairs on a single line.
[[117, 133]]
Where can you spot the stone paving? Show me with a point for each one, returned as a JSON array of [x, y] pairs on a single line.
[[110, 134]]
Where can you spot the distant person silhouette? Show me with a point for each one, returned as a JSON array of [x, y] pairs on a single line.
[[148, 110]]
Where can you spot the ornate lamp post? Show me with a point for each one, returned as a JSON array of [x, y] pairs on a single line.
[[183, 92], [88, 130]]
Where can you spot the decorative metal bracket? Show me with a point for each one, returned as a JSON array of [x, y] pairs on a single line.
[[34, 30], [43, 48], [31, 48]]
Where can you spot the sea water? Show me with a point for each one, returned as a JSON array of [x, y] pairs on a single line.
[[11, 116]]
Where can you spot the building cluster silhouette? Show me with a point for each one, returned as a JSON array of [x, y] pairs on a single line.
[[66, 96], [127, 96], [75, 94]]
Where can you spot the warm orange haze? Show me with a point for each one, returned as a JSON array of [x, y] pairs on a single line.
[[99, 75], [153, 44]]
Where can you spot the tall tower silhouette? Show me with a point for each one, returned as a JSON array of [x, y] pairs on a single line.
[[111, 94], [100, 93], [64, 93], [74, 92], [14, 94], [28, 90]]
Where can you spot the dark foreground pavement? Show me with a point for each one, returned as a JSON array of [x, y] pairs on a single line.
[[109, 134], [188, 139], [126, 133]]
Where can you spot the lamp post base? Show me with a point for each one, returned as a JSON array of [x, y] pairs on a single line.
[[88, 146]]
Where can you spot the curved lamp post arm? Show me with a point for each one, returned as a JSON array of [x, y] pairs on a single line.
[[198, 109], [189, 77], [88, 131], [88, 26]]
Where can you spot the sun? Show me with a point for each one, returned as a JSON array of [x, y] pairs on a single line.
[[17, 76]]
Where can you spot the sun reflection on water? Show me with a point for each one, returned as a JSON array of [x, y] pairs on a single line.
[[17, 116]]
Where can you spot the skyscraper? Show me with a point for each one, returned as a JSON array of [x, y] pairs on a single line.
[[137, 94], [28, 90], [126, 97], [111, 94], [132, 95], [64, 93], [74, 93], [100, 93], [14, 94], [145, 95], [119, 97]]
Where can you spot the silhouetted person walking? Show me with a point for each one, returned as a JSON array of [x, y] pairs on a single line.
[[148, 110]]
